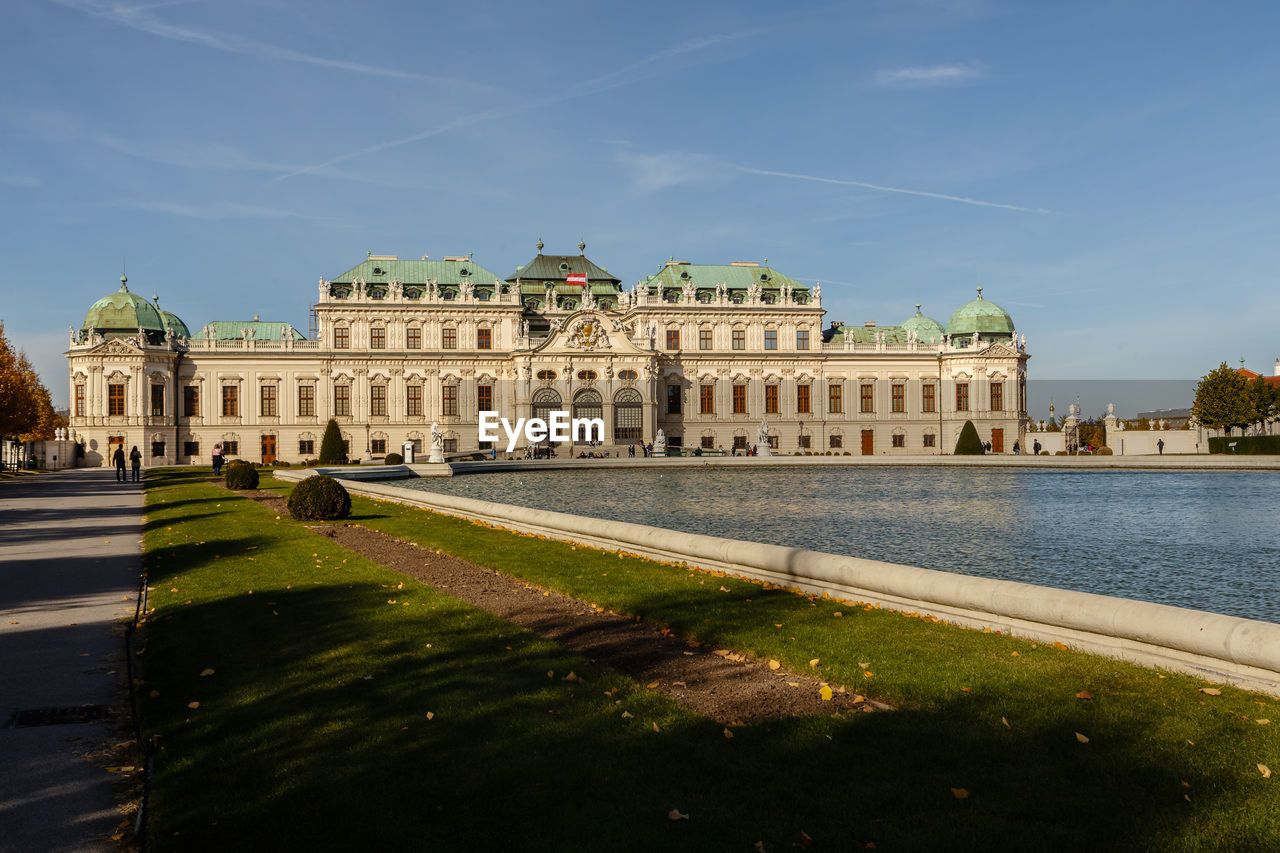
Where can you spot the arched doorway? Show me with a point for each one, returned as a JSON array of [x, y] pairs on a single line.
[[628, 416], [545, 401], [587, 404]]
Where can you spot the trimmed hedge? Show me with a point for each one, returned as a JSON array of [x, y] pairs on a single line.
[[1249, 445], [968, 444], [393, 459], [241, 476], [331, 450], [319, 498]]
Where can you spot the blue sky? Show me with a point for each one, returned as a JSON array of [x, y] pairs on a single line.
[[1107, 171]]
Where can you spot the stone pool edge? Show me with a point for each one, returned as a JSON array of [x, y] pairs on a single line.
[[1244, 652]]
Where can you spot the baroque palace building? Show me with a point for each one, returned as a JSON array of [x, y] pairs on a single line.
[[702, 352]]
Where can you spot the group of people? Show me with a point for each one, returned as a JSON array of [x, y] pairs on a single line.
[[134, 457]]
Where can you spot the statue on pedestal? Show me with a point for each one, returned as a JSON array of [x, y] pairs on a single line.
[[762, 440], [437, 443], [660, 444]]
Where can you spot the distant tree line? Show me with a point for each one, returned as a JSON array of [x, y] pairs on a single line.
[[26, 410], [1227, 400]]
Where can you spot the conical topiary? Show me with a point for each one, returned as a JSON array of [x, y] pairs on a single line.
[[331, 449], [968, 444]]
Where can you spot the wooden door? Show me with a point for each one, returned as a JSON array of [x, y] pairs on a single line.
[[868, 442], [268, 449], [997, 441]]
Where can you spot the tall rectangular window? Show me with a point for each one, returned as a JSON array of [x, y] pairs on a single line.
[[341, 337], [306, 401], [771, 399], [157, 401], [268, 401], [231, 401], [342, 400], [802, 400], [484, 398], [866, 397], [378, 446], [378, 338], [835, 398], [413, 406], [306, 446], [484, 338], [770, 338], [928, 398], [378, 401], [802, 339], [740, 399], [673, 399], [836, 442], [898, 440], [449, 400], [739, 339], [707, 399], [997, 396], [704, 339], [191, 401], [115, 398], [413, 337], [79, 412], [673, 339], [898, 397], [930, 440], [962, 396], [448, 338]]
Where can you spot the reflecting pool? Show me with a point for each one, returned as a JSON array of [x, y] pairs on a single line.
[[1204, 539]]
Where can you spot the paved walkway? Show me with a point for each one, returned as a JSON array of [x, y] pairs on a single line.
[[70, 556]]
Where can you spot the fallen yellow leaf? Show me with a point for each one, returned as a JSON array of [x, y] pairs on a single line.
[[1263, 722], [960, 793], [866, 673], [728, 734], [627, 715], [1081, 738], [773, 664], [676, 814], [430, 715], [1210, 691], [655, 728], [813, 662], [1060, 646], [1265, 771], [1084, 694], [825, 693], [193, 705], [205, 672], [651, 685], [1005, 721]]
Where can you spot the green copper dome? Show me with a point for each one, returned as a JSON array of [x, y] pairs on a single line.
[[123, 313], [928, 330], [988, 319], [172, 322]]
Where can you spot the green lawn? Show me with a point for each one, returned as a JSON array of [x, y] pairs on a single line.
[[312, 732]]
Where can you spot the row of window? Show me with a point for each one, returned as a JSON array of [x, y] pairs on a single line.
[[267, 402], [413, 338], [738, 339]]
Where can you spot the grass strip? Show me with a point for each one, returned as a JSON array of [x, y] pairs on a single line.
[[312, 730]]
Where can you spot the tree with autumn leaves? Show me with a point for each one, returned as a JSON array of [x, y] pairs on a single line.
[[26, 410]]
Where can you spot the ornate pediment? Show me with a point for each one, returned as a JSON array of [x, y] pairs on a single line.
[[999, 351], [116, 346], [587, 334]]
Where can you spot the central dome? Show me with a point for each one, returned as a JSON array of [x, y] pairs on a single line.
[[123, 313], [988, 319], [928, 330]]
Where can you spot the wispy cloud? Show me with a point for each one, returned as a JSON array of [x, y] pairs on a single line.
[[885, 189], [216, 211], [931, 75], [19, 181], [143, 19], [651, 65], [651, 172]]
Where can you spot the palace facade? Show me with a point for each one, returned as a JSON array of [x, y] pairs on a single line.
[[702, 352]]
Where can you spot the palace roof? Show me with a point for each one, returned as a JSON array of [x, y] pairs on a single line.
[[383, 269], [739, 276]]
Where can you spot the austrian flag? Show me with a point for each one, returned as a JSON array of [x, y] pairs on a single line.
[[577, 278]]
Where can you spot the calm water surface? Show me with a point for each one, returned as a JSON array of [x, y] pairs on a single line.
[[1207, 540]]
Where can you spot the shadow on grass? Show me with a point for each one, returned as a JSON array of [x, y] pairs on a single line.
[[313, 733]]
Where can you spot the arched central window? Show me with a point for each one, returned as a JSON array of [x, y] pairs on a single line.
[[587, 404], [545, 401], [628, 416]]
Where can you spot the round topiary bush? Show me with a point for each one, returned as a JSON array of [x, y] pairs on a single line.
[[393, 459], [241, 475], [1104, 451], [320, 498]]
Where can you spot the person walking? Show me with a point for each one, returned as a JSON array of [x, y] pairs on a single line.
[[217, 459], [1036, 447], [135, 460], [1160, 446], [118, 459]]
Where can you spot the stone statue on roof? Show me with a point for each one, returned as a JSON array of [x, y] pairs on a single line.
[[753, 292], [817, 291]]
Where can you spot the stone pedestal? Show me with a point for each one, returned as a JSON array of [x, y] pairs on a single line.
[[764, 449]]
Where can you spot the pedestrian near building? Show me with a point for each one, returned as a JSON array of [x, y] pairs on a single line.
[[217, 459], [1160, 446], [1036, 447], [118, 459], [135, 460]]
